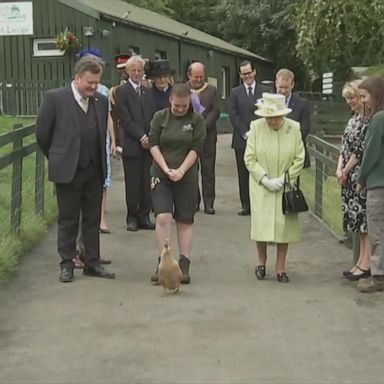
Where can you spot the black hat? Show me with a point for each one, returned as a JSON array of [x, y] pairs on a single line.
[[159, 67]]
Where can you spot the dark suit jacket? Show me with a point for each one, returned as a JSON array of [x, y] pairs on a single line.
[[242, 112], [301, 114], [58, 132], [135, 114]]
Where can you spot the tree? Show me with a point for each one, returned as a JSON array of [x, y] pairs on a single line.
[[265, 27], [158, 6], [336, 35]]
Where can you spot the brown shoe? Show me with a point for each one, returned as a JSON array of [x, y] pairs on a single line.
[[105, 261], [371, 284]]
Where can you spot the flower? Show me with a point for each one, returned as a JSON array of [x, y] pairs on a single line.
[[67, 41]]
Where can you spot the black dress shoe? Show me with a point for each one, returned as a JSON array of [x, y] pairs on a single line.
[[244, 212], [132, 224], [146, 224], [66, 274], [260, 272], [209, 210], [97, 271], [282, 277], [365, 273]]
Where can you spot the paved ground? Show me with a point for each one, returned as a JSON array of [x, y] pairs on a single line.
[[226, 327]]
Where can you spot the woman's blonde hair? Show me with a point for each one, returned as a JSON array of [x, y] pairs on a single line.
[[351, 88]]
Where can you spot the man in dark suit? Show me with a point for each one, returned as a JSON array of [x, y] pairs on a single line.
[[70, 130], [135, 109], [285, 81], [242, 101], [205, 101]]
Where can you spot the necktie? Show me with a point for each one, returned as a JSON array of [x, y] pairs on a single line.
[[250, 94], [138, 91], [84, 104]]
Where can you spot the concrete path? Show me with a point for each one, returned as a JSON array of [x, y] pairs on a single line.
[[225, 327]]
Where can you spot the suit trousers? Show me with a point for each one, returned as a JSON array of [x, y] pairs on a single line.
[[243, 177], [82, 194], [375, 215], [137, 185], [207, 167]]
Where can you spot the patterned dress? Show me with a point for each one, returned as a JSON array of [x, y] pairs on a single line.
[[108, 180], [354, 203]]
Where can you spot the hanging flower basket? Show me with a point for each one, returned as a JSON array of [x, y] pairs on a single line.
[[67, 41]]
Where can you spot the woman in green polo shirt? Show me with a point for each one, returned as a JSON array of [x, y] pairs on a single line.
[[371, 177], [176, 138]]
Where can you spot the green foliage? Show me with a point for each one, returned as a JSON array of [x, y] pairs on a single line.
[[336, 35], [262, 26], [158, 6]]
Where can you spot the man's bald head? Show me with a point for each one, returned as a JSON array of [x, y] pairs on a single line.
[[196, 75]]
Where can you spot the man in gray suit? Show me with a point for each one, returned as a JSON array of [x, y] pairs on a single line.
[[205, 101], [70, 130], [285, 81], [242, 101]]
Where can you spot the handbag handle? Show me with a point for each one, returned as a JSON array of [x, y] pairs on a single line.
[[287, 181]]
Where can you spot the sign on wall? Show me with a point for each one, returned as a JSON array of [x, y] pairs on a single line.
[[16, 18]]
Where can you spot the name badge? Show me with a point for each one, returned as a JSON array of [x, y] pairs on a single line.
[[187, 127]]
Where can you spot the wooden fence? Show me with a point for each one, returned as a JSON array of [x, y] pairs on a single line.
[[324, 156], [15, 158], [23, 98]]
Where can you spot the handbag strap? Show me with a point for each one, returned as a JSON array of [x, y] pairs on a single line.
[[287, 181]]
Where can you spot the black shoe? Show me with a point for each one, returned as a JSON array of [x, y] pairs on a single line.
[[260, 272], [66, 274], [184, 264], [209, 210], [132, 224], [282, 277], [97, 271], [365, 273], [146, 224], [244, 212]]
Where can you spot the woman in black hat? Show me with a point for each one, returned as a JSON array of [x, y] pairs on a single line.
[[161, 75]]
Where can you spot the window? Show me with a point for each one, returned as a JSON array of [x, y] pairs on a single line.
[[133, 51], [160, 54], [225, 86], [46, 47]]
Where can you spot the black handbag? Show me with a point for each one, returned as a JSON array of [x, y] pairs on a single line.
[[293, 198]]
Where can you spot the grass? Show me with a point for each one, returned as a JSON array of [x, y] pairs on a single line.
[[32, 225], [331, 201]]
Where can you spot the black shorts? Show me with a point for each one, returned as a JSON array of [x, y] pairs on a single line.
[[178, 198]]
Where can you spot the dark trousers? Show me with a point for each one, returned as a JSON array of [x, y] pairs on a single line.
[[207, 168], [243, 177], [137, 185], [82, 194]]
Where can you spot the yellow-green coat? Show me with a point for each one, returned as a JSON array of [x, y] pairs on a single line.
[[271, 153]]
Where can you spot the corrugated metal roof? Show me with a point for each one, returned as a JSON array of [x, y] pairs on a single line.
[[148, 19]]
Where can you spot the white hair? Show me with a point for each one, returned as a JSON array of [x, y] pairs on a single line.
[[133, 60]]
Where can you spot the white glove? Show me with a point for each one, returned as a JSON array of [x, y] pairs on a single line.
[[273, 185]]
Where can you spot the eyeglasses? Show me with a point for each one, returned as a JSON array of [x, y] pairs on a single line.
[[246, 73]]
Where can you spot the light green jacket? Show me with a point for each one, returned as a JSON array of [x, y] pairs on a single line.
[[271, 153]]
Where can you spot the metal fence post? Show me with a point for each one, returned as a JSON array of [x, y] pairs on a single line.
[[319, 186]]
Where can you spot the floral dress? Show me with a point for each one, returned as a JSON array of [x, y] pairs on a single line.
[[354, 203]]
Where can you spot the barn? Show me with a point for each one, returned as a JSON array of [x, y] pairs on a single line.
[[30, 61]]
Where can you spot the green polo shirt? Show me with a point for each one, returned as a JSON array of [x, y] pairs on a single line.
[[371, 172], [176, 136]]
